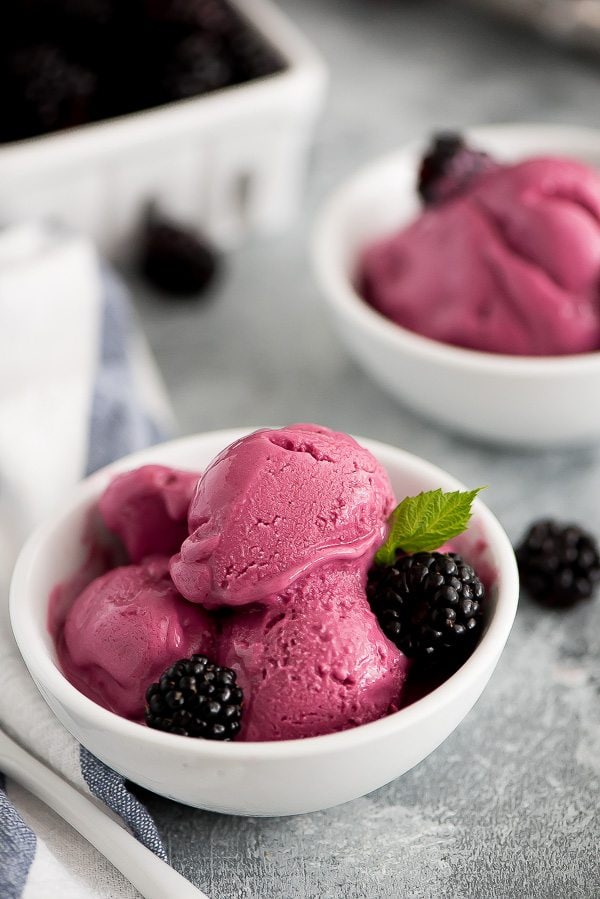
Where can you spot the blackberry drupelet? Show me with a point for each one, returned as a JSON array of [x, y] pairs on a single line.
[[429, 605], [176, 259], [196, 698], [448, 167], [559, 564]]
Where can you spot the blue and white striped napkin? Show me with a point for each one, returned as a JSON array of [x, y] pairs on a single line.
[[78, 389]]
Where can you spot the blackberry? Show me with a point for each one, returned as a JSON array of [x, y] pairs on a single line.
[[448, 168], [44, 15], [196, 698], [196, 65], [429, 605], [215, 16], [46, 90], [72, 12], [559, 564], [176, 259], [252, 57]]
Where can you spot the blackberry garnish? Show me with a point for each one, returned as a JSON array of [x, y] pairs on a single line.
[[448, 168], [176, 259], [559, 564], [429, 605], [196, 698]]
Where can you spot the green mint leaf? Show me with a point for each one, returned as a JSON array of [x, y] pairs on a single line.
[[425, 522]]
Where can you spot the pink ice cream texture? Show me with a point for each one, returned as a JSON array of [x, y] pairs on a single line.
[[273, 506], [318, 663], [512, 265], [124, 630], [147, 508], [283, 528]]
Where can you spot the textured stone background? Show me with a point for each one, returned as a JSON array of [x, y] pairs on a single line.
[[508, 806]]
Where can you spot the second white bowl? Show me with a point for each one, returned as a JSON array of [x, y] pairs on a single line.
[[279, 778], [531, 401]]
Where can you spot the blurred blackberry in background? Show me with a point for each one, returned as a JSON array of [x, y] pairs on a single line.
[[448, 167], [66, 62], [44, 91], [195, 66], [65, 23], [176, 259], [559, 564], [213, 16], [92, 12], [251, 56]]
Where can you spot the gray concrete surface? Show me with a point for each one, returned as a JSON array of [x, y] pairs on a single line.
[[507, 808]]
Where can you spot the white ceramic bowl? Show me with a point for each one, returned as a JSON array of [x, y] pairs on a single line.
[[512, 399], [232, 161], [279, 778]]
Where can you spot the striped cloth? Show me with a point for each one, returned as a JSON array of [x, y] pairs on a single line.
[[77, 389]]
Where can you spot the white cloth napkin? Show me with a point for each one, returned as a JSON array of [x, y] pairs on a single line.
[[77, 389]]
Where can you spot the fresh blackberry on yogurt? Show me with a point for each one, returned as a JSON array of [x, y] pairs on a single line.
[[196, 698], [559, 564], [449, 166], [430, 605]]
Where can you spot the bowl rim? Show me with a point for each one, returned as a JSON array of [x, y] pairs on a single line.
[[341, 294], [46, 673]]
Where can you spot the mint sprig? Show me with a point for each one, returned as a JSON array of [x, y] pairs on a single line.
[[425, 522]]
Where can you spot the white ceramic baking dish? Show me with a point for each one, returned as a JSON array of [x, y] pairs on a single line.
[[231, 162]]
